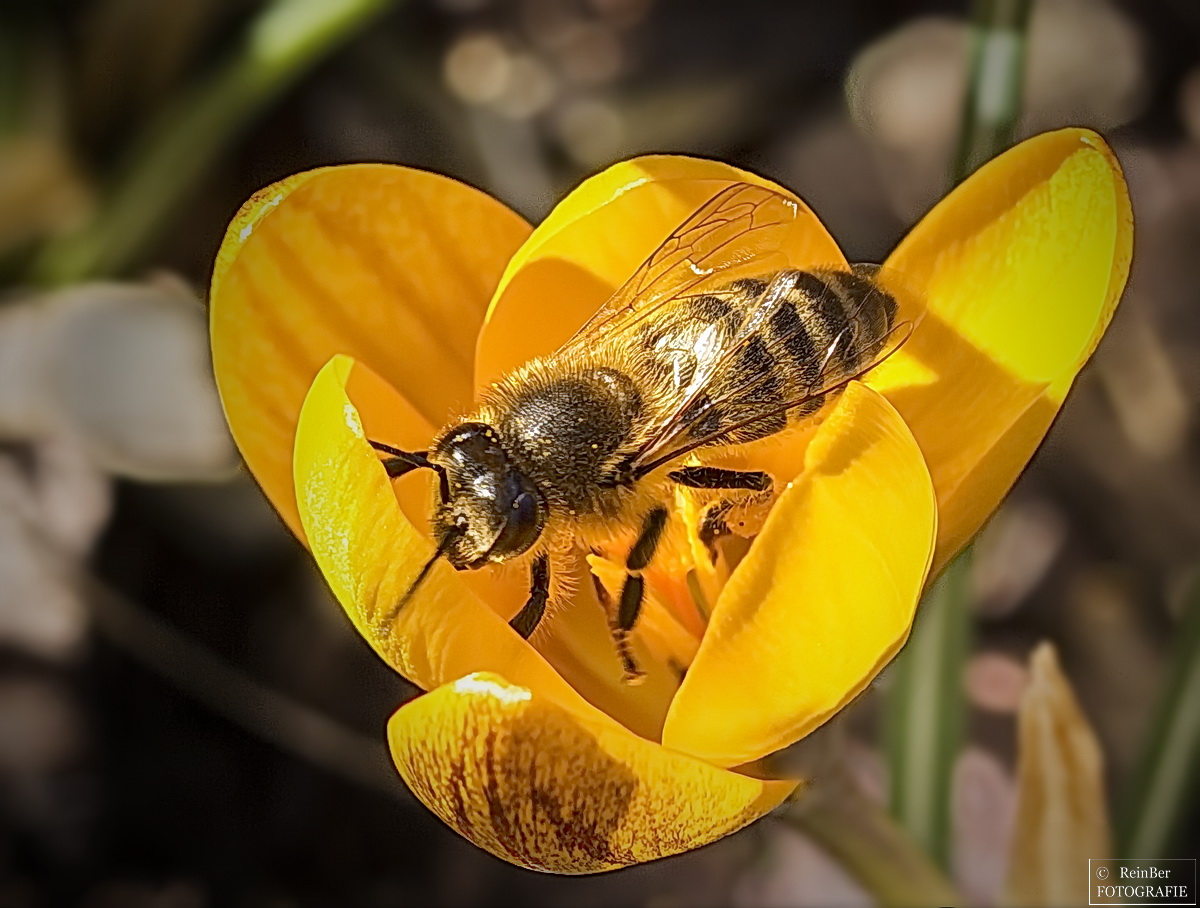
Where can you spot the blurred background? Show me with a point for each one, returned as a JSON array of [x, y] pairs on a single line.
[[186, 719]]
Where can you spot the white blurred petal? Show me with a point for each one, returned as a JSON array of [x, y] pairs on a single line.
[[906, 91], [72, 496], [41, 611], [1014, 553], [1085, 65], [1147, 393], [983, 811], [125, 369], [995, 682]]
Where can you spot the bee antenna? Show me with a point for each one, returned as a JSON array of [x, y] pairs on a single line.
[[400, 462], [442, 549]]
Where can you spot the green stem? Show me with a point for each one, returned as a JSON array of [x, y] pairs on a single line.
[[993, 100], [926, 710], [868, 844], [1169, 769], [284, 42]]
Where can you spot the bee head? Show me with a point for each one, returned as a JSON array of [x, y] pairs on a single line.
[[490, 511]]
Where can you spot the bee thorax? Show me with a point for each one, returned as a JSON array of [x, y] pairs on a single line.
[[570, 431]]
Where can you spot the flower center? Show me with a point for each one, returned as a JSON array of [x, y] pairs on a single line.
[[683, 582]]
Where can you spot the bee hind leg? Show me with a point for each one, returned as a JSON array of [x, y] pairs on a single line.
[[526, 620], [757, 484], [720, 478]]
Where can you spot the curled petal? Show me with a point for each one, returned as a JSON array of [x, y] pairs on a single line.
[[370, 553], [532, 783], [596, 238], [1022, 266], [824, 599], [390, 265]]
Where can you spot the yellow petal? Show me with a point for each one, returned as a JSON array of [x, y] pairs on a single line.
[[370, 553], [523, 778], [1022, 266], [390, 265], [825, 597], [387, 416], [1062, 817], [596, 238]]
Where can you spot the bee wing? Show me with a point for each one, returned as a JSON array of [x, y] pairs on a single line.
[[873, 340], [742, 228]]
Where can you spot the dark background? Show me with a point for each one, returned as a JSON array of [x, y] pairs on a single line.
[[168, 759]]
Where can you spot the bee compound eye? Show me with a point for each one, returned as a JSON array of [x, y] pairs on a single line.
[[521, 528]]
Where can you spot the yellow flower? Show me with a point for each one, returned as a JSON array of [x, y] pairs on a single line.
[[369, 301]]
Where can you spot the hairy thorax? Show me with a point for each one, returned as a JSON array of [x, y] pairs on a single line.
[[571, 430]]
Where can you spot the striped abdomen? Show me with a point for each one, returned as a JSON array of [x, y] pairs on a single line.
[[832, 323]]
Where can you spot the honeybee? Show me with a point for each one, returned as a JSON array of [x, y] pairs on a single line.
[[714, 342]]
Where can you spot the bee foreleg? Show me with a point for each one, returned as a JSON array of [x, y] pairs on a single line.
[[526, 620]]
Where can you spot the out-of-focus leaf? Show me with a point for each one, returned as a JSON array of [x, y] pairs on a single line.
[[994, 89], [1170, 765], [868, 844], [927, 705], [283, 42], [135, 54], [41, 190], [925, 708]]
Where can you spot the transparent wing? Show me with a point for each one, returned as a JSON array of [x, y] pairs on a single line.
[[720, 406], [741, 231]]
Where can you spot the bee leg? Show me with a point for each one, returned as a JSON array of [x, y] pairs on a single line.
[[713, 526], [620, 638], [719, 478], [526, 620], [634, 589]]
